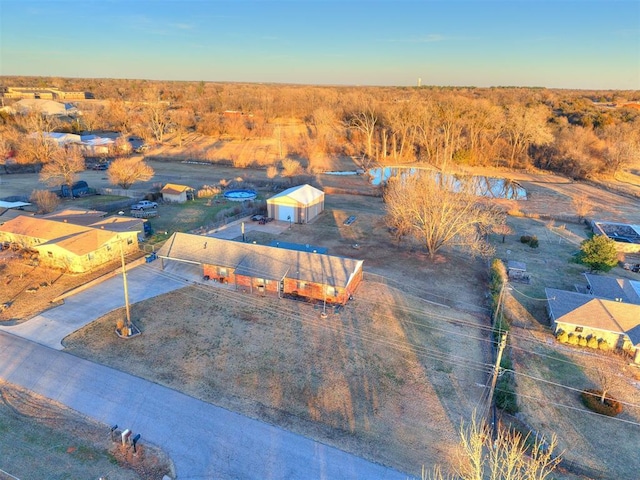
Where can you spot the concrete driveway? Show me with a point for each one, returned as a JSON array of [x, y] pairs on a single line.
[[50, 327]]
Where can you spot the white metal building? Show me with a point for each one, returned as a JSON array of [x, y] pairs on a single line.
[[299, 204]]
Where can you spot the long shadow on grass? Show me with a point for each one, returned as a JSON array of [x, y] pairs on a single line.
[[553, 409]]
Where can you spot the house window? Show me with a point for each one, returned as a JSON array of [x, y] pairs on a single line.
[[222, 272], [331, 291], [302, 285], [129, 241], [90, 256], [108, 247], [578, 329], [50, 254]]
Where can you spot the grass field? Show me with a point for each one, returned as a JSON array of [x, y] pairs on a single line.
[[392, 376], [381, 379], [42, 439], [549, 376]]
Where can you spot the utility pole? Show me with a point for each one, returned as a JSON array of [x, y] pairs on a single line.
[[126, 291], [494, 379]]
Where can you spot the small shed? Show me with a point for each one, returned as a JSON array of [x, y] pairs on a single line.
[[173, 192], [517, 271], [299, 204]]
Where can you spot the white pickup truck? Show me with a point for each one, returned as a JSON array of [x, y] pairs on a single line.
[[144, 205]]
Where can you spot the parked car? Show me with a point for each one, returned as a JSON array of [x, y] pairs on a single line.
[[144, 205], [101, 166], [257, 218]]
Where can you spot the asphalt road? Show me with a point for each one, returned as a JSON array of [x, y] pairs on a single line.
[[204, 441]]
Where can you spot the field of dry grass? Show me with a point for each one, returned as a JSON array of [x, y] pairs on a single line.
[[43, 439], [368, 379], [382, 378], [549, 376]]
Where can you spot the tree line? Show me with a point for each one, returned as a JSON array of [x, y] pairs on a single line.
[[580, 134]]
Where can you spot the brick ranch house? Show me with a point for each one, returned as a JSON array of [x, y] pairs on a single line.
[[74, 247], [267, 270]]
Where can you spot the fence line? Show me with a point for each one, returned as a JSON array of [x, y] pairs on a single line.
[[121, 192]]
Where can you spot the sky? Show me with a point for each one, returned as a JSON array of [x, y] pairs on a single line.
[[585, 44]]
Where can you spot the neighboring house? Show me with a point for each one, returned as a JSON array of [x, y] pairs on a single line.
[[99, 219], [73, 247], [262, 269], [610, 288], [46, 107], [173, 192], [90, 145], [43, 93], [299, 204], [615, 322]]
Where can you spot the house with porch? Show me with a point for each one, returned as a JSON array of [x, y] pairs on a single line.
[[266, 270]]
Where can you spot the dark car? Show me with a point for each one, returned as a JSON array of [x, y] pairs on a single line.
[[101, 166]]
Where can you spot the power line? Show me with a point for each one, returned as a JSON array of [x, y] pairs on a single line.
[[571, 407], [403, 346], [634, 405]]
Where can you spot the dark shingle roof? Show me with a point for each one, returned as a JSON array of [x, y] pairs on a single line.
[[261, 261], [611, 288]]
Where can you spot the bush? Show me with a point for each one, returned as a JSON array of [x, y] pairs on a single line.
[[563, 337], [573, 339], [591, 399], [505, 396], [533, 242], [525, 239], [604, 345], [582, 341], [592, 342]]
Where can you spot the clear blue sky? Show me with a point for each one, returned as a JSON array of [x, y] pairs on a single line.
[[588, 44]]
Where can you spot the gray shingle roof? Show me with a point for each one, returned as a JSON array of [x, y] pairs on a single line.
[[586, 310], [261, 261], [614, 288]]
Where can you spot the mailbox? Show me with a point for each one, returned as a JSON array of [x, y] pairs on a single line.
[[125, 436]]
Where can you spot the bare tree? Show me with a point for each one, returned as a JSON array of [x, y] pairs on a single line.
[[508, 455], [608, 380], [182, 121], [290, 168], [503, 230], [272, 172], [525, 126], [124, 172], [155, 114], [45, 200], [437, 213], [364, 122], [623, 146], [35, 146], [63, 167], [582, 205]]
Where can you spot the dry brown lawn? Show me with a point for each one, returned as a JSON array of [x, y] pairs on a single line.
[[40, 438], [383, 378]]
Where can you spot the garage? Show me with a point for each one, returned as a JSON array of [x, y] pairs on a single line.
[[300, 204]]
